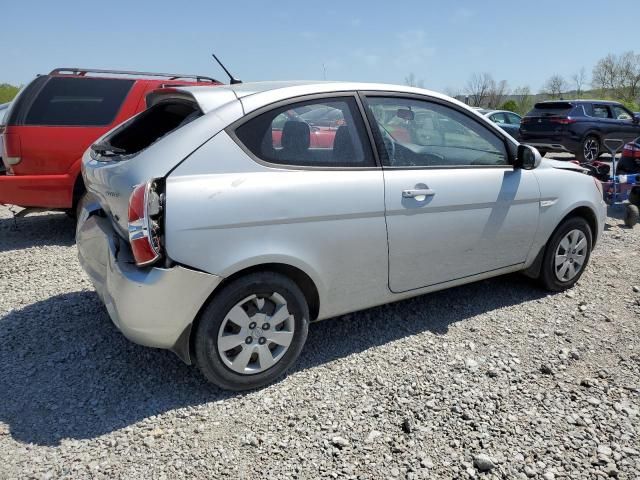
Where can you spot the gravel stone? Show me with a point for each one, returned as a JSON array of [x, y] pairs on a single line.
[[483, 462], [340, 442], [462, 367]]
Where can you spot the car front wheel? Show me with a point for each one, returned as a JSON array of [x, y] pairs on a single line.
[[566, 255], [252, 331]]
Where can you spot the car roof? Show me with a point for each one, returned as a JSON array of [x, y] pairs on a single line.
[[583, 100], [257, 94], [499, 111]]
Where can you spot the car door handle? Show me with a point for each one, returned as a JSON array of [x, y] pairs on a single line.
[[418, 192]]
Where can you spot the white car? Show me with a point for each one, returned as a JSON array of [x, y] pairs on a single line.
[[217, 230]]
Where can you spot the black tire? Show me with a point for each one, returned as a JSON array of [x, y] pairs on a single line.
[[631, 215], [634, 196], [548, 276], [208, 357], [591, 143]]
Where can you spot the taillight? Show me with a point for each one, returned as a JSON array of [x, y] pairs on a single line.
[[563, 120], [631, 150], [12, 149], [145, 210]]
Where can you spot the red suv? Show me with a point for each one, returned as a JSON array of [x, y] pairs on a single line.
[[55, 118]]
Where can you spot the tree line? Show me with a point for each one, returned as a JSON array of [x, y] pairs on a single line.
[[614, 77], [7, 92]]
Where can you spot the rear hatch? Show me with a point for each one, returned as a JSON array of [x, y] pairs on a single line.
[[151, 144], [548, 119]]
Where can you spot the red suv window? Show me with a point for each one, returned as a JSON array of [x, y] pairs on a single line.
[[78, 101]]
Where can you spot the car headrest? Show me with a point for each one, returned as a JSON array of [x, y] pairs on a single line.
[[296, 136], [343, 149]]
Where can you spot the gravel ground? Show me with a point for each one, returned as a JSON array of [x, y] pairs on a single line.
[[491, 380]]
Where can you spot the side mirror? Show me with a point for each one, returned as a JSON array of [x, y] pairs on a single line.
[[528, 158]]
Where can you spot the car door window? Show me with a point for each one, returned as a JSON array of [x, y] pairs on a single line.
[[513, 118], [621, 113], [499, 118], [601, 111], [325, 132], [419, 133]]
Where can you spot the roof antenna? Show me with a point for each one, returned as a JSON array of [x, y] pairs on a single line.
[[232, 80]]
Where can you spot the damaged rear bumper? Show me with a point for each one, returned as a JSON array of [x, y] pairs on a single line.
[[151, 306]]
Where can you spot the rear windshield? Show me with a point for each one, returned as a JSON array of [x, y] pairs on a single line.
[[78, 101], [148, 127], [546, 109]]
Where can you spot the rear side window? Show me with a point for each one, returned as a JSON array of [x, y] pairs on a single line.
[[3, 112], [600, 111], [78, 102], [499, 118], [513, 118], [315, 133]]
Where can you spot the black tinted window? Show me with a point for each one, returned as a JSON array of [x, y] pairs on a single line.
[[324, 132], [78, 101], [550, 109]]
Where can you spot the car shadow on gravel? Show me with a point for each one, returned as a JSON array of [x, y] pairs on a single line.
[[618, 212], [37, 230], [66, 372]]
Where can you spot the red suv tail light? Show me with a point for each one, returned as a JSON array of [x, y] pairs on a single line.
[[145, 210], [12, 149]]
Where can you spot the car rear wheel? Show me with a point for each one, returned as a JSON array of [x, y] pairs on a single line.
[[590, 149], [252, 331], [566, 255]]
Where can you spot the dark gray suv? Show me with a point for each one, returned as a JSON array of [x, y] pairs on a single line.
[[578, 126]]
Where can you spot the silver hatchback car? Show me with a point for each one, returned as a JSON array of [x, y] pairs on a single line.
[[220, 221]]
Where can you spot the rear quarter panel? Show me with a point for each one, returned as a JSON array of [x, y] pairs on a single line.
[[329, 224]]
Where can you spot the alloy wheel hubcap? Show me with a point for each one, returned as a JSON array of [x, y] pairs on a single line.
[[256, 333], [591, 150], [570, 255]]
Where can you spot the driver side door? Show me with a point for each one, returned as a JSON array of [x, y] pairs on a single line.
[[628, 129], [454, 205]]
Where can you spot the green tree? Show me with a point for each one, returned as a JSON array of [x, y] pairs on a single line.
[[510, 105], [7, 92]]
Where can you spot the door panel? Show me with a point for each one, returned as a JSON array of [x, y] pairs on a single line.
[[454, 205], [627, 130], [477, 220]]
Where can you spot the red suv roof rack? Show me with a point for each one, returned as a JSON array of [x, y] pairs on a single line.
[[171, 76]]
